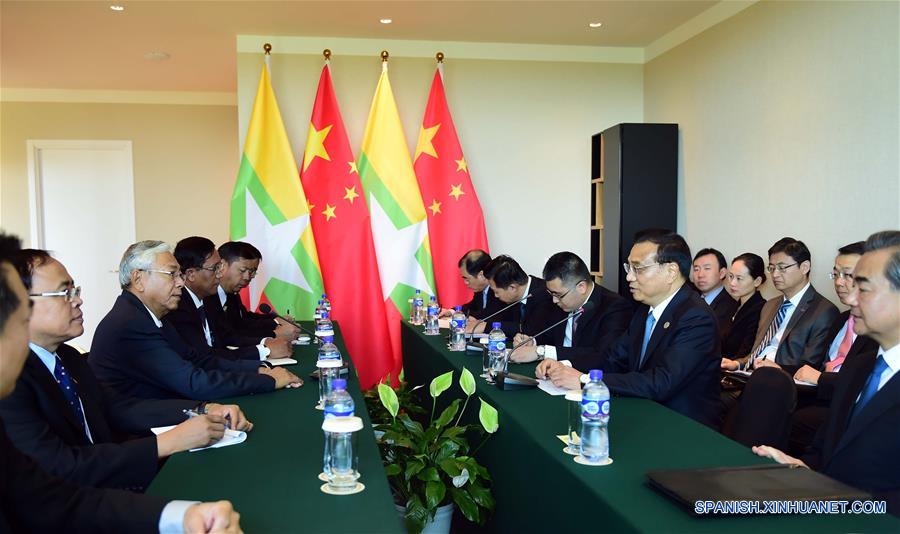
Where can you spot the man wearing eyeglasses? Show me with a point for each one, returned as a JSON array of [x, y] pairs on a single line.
[[138, 355], [200, 264], [591, 328], [794, 327], [66, 421], [671, 350]]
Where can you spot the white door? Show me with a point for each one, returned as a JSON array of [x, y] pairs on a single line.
[[82, 211]]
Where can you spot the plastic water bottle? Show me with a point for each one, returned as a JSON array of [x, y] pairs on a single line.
[[318, 313], [458, 330], [432, 328], [496, 350], [594, 419], [324, 326], [329, 366], [326, 304], [338, 403], [341, 459], [418, 308]]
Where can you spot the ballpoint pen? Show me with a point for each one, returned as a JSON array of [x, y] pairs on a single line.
[[193, 413]]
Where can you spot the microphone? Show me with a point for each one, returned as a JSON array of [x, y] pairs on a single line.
[[587, 306], [498, 312], [267, 310]]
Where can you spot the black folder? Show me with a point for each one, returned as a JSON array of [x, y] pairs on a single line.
[[752, 483]]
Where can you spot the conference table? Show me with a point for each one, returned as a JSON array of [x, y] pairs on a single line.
[[271, 478], [539, 488]]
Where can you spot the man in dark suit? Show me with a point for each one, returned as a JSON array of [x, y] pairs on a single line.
[[138, 355], [484, 302], [859, 442], [240, 261], [708, 274], [200, 261], [603, 316], [671, 350], [535, 311], [793, 328], [33, 501], [76, 442]]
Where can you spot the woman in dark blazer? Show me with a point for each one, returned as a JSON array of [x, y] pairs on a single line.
[[746, 275]]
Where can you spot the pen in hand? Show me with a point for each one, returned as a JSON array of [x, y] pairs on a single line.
[[193, 413]]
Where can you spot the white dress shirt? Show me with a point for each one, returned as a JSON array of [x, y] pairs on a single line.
[[550, 350], [199, 304], [772, 348]]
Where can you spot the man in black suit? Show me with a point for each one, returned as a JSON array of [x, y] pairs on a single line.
[[31, 500], [240, 261], [604, 315], [76, 442], [859, 442], [793, 328], [484, 302], [708, 274], [138, 355], [671, 350], [510, 284], [200, 262]]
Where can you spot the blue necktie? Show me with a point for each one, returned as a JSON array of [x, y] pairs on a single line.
[[648, 329], [67, 386], [871, 387]]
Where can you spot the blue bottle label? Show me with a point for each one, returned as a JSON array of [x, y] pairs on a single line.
[[459, 323], [496, 345], [590, 407], [432, 310], [604, 408], [338, 413]]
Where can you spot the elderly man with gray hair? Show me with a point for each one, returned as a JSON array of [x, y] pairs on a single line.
[[137, 354]]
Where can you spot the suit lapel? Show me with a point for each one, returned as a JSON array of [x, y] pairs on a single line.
[[47, 382], [662, 325], [766, 316], [886, 397], [804, 305], [587, 316]]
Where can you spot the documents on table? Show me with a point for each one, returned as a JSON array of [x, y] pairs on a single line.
[[742, 374], [282, 361], [548, 387], [231, 437]]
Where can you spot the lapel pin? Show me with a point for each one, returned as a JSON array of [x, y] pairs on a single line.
[[666, 325]]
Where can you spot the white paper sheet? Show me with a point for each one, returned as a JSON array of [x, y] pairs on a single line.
[[231, 437]]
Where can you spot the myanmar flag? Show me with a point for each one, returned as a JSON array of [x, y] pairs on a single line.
[[455, 219], [340, 222], [398, 215], [269, 210]]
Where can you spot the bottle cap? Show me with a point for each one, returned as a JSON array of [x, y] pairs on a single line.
[[324, 296], [418, 291], [595, 374], [457, 308], [342, 424], [339, 383], [324, 314], [321, 302], [495, 325], [432, 298]]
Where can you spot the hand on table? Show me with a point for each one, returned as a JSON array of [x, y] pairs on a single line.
[[524, 354], [199, 431], [283, 377], [279, 347], [807, 374], [771, 452], [232, 413], [729, 365], [286, 331], [212, 517]]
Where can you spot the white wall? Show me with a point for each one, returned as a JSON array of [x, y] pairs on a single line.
[[788, 115], [524, 126]]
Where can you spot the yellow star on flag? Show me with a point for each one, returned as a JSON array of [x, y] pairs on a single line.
[[329, 212], [426, 135], [456, 191], [315, 145], [353, 167], [435, 207], [461, 165], [351, 194]]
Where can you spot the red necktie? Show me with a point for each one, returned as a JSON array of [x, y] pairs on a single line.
[[846, 343]]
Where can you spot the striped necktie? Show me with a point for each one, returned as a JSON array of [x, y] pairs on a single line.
[[770, 333], [67, 386]]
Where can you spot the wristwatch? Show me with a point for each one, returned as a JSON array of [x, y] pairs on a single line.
[[540, 349]]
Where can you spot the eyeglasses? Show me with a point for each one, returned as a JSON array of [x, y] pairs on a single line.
[[70, 294], [637, 269], [212, 268], [847, 277], [779, 268], [174, 275], [559, 297]]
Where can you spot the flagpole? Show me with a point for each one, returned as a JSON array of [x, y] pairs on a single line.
[[440, 63], [267, 48], [327, 54], [384, 60]]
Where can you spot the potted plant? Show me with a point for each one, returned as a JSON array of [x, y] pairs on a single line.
[[431, 468]]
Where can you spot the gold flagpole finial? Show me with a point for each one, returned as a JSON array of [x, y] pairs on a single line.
[[327, 54], [384, 56], [267, 48], [440, 57]]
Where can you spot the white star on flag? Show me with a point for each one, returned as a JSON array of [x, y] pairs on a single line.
[[396, 249], [275, 243]]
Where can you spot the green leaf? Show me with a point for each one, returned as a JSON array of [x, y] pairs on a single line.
[[414, 427], [392, 470], [429, 473], [466, 505], [467, 382], [450, 466], [401, 377], [448, 414], [389, 399], [446, 450], [487, 414], [481, 496], [413, 467], [416, 515], [440, 384], [434, 494]]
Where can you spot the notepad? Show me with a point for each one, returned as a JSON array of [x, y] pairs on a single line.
[[743, 376], [281, 361], [547, 386], [231, 437]]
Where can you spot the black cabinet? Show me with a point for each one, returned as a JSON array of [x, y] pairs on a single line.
[[634, 186]]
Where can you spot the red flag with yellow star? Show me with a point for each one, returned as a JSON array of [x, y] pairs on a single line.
[[341, 226], [455, 219]]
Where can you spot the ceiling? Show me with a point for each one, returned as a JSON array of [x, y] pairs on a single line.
[[86, 45]]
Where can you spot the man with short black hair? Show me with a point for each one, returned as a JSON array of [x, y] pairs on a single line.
[[597, 315], [708, 274], [794, 327], [671, 350], [471, 270]]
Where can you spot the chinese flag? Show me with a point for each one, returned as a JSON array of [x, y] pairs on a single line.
[[455, 219], [341, 225]]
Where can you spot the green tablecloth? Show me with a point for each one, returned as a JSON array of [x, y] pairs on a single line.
[[540, 488], [271, 477]]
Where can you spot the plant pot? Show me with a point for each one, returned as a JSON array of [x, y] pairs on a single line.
[[441, 522]]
